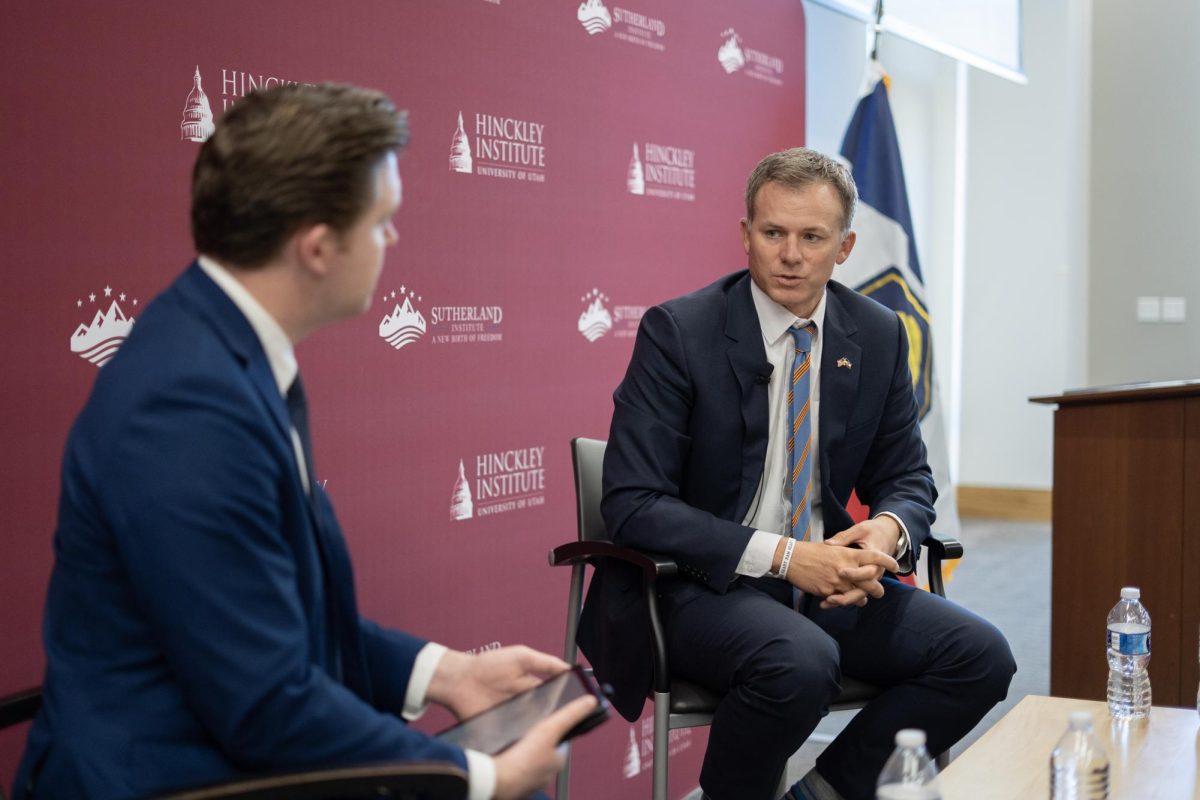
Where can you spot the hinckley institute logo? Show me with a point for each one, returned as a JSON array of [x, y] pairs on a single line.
[[601, 317], [97, 341], [499, 482], [406, 323], [627, 26], [734, 57], [504, 147], [639, 753], [664, 171], [197, 123]]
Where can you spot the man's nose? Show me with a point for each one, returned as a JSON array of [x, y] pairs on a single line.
[[791, 251]]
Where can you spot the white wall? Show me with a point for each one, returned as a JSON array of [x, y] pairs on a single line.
[[1024, 242], [1145, 223]]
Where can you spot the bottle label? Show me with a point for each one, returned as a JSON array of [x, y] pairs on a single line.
[[1129, 644]]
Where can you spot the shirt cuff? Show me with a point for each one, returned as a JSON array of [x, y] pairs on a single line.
[[760, 552], [424, 666], [481, 776], [903, 545]]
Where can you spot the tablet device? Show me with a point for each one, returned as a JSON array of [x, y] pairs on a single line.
[[495, 729]]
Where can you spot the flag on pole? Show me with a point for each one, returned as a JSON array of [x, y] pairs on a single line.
[[884, 266]]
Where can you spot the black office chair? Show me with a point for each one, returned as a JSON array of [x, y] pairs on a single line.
[[677, 703], [401, 780]]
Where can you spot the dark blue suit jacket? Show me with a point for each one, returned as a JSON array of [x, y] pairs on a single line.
[[201, 620], [688, 446]]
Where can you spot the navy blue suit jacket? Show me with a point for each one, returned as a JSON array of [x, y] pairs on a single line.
[[688, 443], [201, 621]]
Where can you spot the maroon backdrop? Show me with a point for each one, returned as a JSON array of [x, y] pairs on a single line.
[[599, 170]]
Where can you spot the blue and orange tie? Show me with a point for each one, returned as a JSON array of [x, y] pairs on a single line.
[[800, 439]]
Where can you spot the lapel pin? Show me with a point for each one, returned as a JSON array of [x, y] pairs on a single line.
[[844, 362]]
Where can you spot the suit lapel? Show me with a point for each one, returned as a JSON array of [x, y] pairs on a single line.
[[839, 384], [747, 357]]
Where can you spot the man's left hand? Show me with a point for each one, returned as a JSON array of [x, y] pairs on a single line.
[[467, 684], [882, 534]]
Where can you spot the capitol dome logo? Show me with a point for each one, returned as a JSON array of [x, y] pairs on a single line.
[[197, 124], [594, 17], [595, 321], [461, 506], [405, 324], [460, 149], [635, 180], [99, 341], [730, 55]]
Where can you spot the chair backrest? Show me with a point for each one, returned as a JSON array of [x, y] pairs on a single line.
[[587, 455]]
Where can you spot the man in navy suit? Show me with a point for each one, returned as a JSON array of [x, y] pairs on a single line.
[[201, 622], [698, 467]]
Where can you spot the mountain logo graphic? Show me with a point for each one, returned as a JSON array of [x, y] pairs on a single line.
[[594, 17], [595, 321], [730, 55], [405, 324], [98, 342]]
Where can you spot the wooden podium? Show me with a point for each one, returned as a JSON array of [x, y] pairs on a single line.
[[1126, 513]]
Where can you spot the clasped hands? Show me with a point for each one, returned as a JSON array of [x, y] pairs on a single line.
[[845, 570]]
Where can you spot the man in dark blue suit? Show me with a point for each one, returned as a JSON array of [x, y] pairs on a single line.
[[201, 622], [750, 411]]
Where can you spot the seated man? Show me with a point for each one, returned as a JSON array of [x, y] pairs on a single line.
[[750, 411], [201, 623]]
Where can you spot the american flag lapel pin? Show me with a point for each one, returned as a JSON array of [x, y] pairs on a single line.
[[844, 362]]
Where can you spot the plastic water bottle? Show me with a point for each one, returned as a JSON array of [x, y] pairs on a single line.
[[1128, 649], [1079, 766], [909, 773]]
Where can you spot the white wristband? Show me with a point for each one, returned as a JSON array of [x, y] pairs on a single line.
[[786, 560]]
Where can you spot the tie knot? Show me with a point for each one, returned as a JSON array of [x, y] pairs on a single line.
[[803, 337]]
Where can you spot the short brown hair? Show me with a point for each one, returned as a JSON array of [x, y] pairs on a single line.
[[287, 157], [800, 167]]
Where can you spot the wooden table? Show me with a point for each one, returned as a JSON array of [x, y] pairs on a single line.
[[1155, 759]]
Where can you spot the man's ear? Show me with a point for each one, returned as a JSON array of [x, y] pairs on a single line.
[[314, 245], [746, 235], [846, 246]]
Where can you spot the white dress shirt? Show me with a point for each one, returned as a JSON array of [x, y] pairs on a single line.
[[772, 505], [282, 358]]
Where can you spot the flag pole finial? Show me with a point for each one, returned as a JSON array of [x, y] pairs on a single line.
[[877, 29]]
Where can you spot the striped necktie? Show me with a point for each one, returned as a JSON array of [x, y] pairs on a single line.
[[800, 439]]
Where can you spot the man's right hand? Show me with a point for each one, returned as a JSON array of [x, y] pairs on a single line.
[[532, 763], [842, 576]]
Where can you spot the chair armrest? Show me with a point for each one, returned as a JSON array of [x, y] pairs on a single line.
[[429, 780], [20, 707], [943, 547], [652, 565]]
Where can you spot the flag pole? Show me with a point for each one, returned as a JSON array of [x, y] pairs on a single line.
[[878, 28]]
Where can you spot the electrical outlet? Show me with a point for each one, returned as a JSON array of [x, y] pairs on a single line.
[[1149, 309], [1174, 309]]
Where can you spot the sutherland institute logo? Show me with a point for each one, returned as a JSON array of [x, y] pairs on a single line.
[[405, 324], [99, 341], [594, 17], [735, 57], [507, 480], [197, 124]]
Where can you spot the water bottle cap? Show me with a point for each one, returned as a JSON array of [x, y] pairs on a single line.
[[1081, 720], [1131, 593], [910, 737]]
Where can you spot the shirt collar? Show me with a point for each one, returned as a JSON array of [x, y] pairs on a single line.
[[775, 320], [275, 343]]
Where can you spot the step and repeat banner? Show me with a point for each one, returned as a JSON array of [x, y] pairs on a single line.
[[571, 163]]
